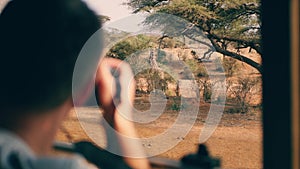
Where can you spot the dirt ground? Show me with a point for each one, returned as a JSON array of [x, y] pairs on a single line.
[[237, 140]]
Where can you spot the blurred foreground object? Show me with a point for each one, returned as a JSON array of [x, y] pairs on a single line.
[[106, 160]]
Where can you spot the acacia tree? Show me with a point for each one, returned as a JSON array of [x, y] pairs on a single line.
[[230, 25]]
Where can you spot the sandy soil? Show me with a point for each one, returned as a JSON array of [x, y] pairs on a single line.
[[237, 140]]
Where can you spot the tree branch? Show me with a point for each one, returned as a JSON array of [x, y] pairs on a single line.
[[239, 57], [252, 44]]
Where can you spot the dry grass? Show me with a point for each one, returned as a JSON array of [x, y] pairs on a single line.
[[237, 140]]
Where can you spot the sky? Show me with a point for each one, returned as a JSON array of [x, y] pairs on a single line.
[[112, 8], [121, 16]]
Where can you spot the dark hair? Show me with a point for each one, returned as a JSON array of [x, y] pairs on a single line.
[[39, 45]]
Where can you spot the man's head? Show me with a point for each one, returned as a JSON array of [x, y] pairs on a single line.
[[39, 45]]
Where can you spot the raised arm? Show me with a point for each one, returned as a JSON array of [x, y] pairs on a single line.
[[116, 92]]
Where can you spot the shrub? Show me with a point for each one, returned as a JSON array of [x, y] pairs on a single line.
[[197, 68], [230, 66], [207, 89], [242, 91]]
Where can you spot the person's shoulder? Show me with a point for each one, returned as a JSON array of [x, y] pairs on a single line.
[[15, 153], [74, 162]]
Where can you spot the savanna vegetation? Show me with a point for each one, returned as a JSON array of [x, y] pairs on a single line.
[[233, 31]]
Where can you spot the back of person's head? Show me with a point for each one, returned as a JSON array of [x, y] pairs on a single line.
[[39, 44]]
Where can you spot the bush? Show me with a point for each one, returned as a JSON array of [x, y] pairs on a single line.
[[131, 45], [197, 68], [230, 66], [242, 91], [175, 107], [207, 89]]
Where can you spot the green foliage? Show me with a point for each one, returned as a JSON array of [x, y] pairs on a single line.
[[197, 68], [230, 25], [139, 43], [176, 104], [175, 107], [121, 50], [156, 79], [230, 18], [207, 94], [207, 89], [131, 45], [228, 65]]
